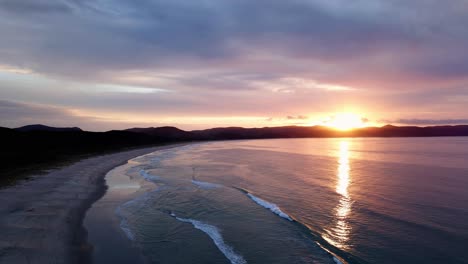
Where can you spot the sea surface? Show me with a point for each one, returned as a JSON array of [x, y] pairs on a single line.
[[359, 200]]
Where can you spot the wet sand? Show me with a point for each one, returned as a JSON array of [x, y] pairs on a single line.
[[41, 220]]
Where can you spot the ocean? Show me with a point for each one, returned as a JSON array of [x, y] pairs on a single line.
[[343, 200]]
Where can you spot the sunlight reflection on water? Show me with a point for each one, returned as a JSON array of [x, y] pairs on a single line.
[[338, 234]]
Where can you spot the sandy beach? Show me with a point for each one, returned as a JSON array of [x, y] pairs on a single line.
[[41, 219]]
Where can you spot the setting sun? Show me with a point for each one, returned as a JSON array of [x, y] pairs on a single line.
[[345, 121]]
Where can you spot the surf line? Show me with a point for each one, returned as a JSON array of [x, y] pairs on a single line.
[[215, 235], [265, 204], [276, 210], [148, 176], [202, 184]]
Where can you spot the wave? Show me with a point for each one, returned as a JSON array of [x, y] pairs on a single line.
[[159, 156], [119, 211], [206, 185], [215, 235], [124, 224], [156, 160], [337, 261], [270, 206], [275, 209], [148, 177], [132, 207]]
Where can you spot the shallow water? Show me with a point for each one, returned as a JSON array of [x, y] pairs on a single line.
[[374, 200]]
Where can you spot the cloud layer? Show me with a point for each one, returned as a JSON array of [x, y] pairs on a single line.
[[241, 58]]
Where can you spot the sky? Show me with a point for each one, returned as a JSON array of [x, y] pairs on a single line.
[[114, 64]]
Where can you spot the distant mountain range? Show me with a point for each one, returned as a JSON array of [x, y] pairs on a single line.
[[164, 133], [168, 133], [300, 132], [38, 144], [46, 128]]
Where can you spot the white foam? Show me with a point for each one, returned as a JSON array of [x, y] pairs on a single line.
[[148, 177], [206, 185], [161, 156], [335, 258], [270, 206], [337, 261], [132, 207], [124, 224], [215, 235]]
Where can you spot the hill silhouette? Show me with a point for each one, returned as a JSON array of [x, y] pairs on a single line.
[[39, 127], [164, 133], [29, 147]]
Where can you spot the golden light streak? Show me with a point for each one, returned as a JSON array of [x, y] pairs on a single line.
[[338, 233]]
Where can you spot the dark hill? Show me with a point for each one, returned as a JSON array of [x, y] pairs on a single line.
[[266, 132], [33, 146], [164, 133], [39, 127], [24, 151]]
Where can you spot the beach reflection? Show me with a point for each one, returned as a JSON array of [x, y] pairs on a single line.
[[338, 233]]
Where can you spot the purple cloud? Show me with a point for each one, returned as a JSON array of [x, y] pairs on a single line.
[[239, 57]]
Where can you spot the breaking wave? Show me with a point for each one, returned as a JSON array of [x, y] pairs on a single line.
[[270, 206], [148, 177], [124, 224], [206, 185], [215, 235]]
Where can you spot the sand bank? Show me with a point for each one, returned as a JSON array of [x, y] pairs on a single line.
[[41, 219]]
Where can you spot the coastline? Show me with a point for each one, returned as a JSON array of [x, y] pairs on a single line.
[[109, 238], [41, 220]]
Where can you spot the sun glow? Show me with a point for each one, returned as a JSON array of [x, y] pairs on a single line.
[[345, 121]]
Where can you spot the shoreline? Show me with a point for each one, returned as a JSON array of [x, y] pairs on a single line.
[[41, 220], [111, 243]]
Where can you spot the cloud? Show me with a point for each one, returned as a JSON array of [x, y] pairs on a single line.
[[330, 42], [11, 69], [295, 120], [15, 114], [298, 117], [35, 6], [260, 58], [416, 121]]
